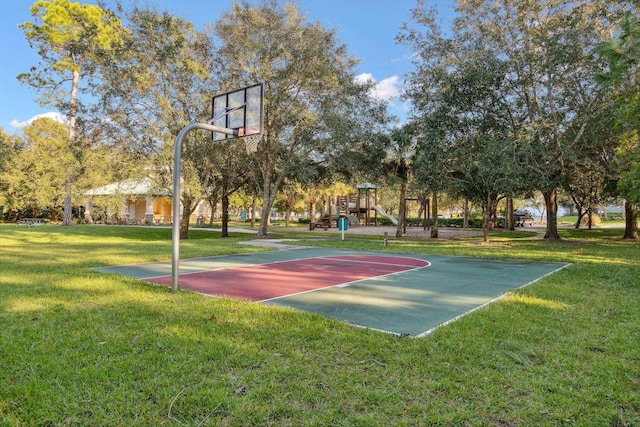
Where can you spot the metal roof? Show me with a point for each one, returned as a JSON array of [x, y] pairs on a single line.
[[130, 187]]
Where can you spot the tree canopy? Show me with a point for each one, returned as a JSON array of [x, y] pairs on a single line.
[[314, 107], [623, 76], [521, 69], [72, 39]]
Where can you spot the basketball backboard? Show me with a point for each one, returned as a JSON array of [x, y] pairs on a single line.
[[241, 110]]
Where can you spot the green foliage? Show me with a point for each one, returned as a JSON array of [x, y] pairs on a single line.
[[8, 152], [623, 57], [70, 37], [458, 222], [158, 84], [35, 181], [511, 72], [324, 124]]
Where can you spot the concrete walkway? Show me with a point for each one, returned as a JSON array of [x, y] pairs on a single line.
[[273, 243]]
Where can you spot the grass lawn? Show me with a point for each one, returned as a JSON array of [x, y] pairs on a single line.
[[78, 347]]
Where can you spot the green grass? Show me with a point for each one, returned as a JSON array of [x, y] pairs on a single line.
[[82, 348]]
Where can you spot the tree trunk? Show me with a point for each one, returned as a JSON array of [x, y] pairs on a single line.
[[312, 214], [403, 203], [264, 218], [225, 214], [269, 192], [421, 210], [73, 107], [630, 221], [493, 217], [579, 220], [254, 206], [213, 202], [287, 213], [510, 223], [551, 204], [67, 208], [465, 222], [434, 215], [186, 213], [486, 221], [268, 197]]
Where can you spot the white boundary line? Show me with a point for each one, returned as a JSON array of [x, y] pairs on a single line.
[[222, 268], [376, 263], [346, 284], [425, 333], [330, 257]]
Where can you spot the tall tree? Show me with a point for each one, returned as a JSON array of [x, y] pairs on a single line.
[[314, 108], [8, 154], [547, 48], [161, 82], [222, 169], [477, 178], [399, 165], [36, 181], [71, 38], [623, 76], [629, 160]]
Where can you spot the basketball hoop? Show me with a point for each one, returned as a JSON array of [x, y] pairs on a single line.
[[235, 114], [251, 142], [251, 139]]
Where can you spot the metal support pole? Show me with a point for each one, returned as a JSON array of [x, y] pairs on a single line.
[[177, 151]]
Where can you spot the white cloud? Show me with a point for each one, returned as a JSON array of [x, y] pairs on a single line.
[[15, 124], [364, 77], [385, 90]]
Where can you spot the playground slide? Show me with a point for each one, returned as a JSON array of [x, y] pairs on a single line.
[[384, 214]]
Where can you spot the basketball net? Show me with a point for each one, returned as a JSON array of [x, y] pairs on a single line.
[[251, 142]]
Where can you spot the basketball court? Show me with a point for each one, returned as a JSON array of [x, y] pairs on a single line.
[[404, 294]]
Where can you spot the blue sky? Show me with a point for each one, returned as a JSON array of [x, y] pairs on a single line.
[[367, 27]]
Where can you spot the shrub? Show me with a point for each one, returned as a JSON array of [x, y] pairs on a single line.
[[459, 222], [595, 220]]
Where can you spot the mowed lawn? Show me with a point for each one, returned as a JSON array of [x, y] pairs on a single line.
[[78, 347]]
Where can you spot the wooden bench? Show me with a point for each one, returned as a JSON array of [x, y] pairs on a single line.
[[36, 222]]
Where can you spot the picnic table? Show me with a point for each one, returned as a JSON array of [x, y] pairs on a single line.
[[36, 222]]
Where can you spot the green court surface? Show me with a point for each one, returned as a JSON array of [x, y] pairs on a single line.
[[412, 302]]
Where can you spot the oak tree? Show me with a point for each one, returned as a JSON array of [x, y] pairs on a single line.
[[314, 108], [623, 76]]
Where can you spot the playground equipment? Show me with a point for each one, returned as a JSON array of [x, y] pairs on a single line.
[[382, 213], [358, 209], [335, 212], [425, 205]]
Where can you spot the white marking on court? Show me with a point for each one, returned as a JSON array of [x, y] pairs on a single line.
[[425, 333], [185, 264], [356, 261], [347, 284]]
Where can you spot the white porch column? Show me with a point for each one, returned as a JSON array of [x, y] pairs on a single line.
[[148, 214], [88, 205], [125, 215]]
